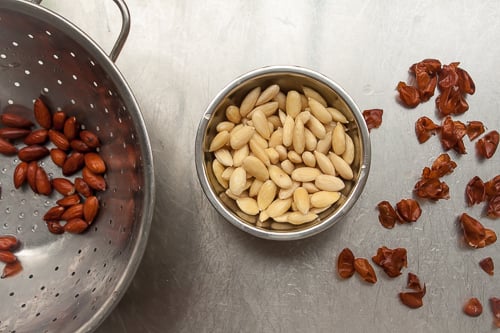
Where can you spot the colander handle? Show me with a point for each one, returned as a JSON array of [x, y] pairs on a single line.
[[122, 36]]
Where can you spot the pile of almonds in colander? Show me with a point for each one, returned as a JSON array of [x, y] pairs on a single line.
[[75, 149], [283, 157]]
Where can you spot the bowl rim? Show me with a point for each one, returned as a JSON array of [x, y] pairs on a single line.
[[289, 234]]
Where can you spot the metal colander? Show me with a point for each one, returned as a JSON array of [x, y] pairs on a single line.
[[70, 283]]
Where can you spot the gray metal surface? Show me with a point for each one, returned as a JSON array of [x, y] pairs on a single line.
[[200, 273]]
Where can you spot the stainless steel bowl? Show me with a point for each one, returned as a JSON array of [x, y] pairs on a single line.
[[288, 78]]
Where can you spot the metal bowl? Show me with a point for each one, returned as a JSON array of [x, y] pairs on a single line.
[[288, 78]]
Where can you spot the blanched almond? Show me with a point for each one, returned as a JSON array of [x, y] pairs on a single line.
[[260, 123], [324, 145], [274, 157], [239, 155], [341, 167], [275, 120], [287, 166], [337, 116], [282, 151], [279, 177], [249, 101], [304, 116], [268, 94], [240, 137], [348, 154], [293, 103], [311, 141], [267, 109], [305, 174], [278, 207], [282, 116], [218, 169], [288, 193], [324, 163], [310, 187], [219, 141], [311, 93], [255, 188], [225, 126], [309, 159], [288, 131], [224, 157], [324, 199], [259, 151], [226, 174], [301, 200], [281, 99], [276, 137], [282, 226], [255, 167], [299, 139], [329, 183], [263, 217], [248, 205], [294, 157], [316, 127], [319, 111], [282, 218], [260, 140], [266, 194], [238, 181], [297, 218], [338, 139]]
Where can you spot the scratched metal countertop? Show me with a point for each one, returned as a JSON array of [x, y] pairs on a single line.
[[201, 274]]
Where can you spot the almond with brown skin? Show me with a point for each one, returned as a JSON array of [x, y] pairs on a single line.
[[58, 119], [58, 156], [7, 148], [13, 133], [31, 175], [43, 185], [71, 128], [80, 146], [55, 227], [82, 187], [63, 186], [37, 137], [76, 226], [58, 139], [69, 200], [90, 209], [95, 163], [14, 120], [54, 213], [74, 162], [90, 139], [73, 212], [7, 257], [8, 243], [96, 182], [32, 153], [20, 174], [12, 269], [42, 114]]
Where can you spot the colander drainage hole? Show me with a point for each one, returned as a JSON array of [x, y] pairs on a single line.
[[79, 251], [11, 293], [54, 319], [72, 273], [95, 249], [56, 295], [31, 276], [42, 287], [37, 314], [93, 289], [56, 268], [76, 296], [74, 317], [23, 305]]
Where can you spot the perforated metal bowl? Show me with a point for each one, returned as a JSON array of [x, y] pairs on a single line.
[[70, 283]]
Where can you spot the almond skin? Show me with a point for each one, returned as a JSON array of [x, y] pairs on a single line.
[[7, 257], [31, 175], [90, 209], [58, 156], [70, 129], [96, 182], [63, 186], [55, 227], [90, 139], [80, 146], [58, 120], [13, 133], [54, 213], [58, 139], [7, 148], [43, 185], [42, 114], [76, 226], [20, 174], [95, 163], [82, 187], [74, 162], [12, 269], [37, 137], [73, 212], [69, 200], [32, 153], [14, 120]]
